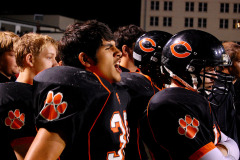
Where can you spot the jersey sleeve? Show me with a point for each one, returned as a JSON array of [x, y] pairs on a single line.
[[231, 145], [62, 108], [17, 123]]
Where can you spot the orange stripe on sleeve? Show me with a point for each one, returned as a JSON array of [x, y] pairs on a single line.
[[202, 151], [149, 78]]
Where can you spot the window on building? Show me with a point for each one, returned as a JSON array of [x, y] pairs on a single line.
[[154, 21], [151, 21], [236, 23], [224, 7], [26, 29], [8, 27], [223, 23], [202, 7], [167, 5], [189, 6], [202, 22], [167, 21], [152, 5], [155, 5], [236, 8], [188, 22]]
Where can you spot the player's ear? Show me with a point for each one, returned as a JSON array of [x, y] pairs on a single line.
[[84, 59], [125, 50], [29, 59]]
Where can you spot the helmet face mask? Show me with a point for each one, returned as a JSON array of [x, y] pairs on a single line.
[[148, 51], [189, 53], [221, 88]]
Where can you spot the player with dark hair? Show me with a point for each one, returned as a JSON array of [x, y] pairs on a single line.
[[140, 86], [179, 121], [81, 112], [125, 38]]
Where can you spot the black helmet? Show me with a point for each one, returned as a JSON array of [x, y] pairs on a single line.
[[147, 52], [190, 51]]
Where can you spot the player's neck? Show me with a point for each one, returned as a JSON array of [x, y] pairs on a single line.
[[25, 77], [175, 83], [127, 63]]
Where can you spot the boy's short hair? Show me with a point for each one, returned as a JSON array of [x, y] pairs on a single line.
[[86, 37], [7, 39], [31, 43], [232, 49], [127, 35]]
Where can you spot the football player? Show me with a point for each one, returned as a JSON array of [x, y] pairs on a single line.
[[8, 68], [81, 112], [34, 53], [179, 121], [125, 38], [140, 85], [8, 65], [222, 100]]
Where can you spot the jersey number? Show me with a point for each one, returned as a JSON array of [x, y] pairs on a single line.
[[117, 123]]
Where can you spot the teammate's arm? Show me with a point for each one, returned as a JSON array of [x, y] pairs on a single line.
[[227, 149], [231, 146], [46, 146]]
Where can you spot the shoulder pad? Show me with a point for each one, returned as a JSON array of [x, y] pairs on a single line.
[[67, 75], [136, 81]]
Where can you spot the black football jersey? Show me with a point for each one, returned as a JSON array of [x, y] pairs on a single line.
[[16, 113], [88, 111], [141, 89], [237, 106], [4, 79], [222, 102], [179, 124]]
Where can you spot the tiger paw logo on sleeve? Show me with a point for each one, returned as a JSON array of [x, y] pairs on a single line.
[[188, 126], [15, 120], [53, 106]]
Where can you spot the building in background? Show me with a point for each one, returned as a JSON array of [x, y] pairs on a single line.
[[218, 17], [52, 25]]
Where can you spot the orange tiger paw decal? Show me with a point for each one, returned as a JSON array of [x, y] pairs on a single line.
[[53, 106], [188, 127], [15, 120]]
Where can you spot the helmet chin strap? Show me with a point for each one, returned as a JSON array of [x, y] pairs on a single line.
[[175, 77]]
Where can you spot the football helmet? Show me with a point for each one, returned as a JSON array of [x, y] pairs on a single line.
[[147, 52], [187, 54]]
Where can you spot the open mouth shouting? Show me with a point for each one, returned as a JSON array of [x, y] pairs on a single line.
[[117, 66]]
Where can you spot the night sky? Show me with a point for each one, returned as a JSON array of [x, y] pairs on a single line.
[[115, 13]]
